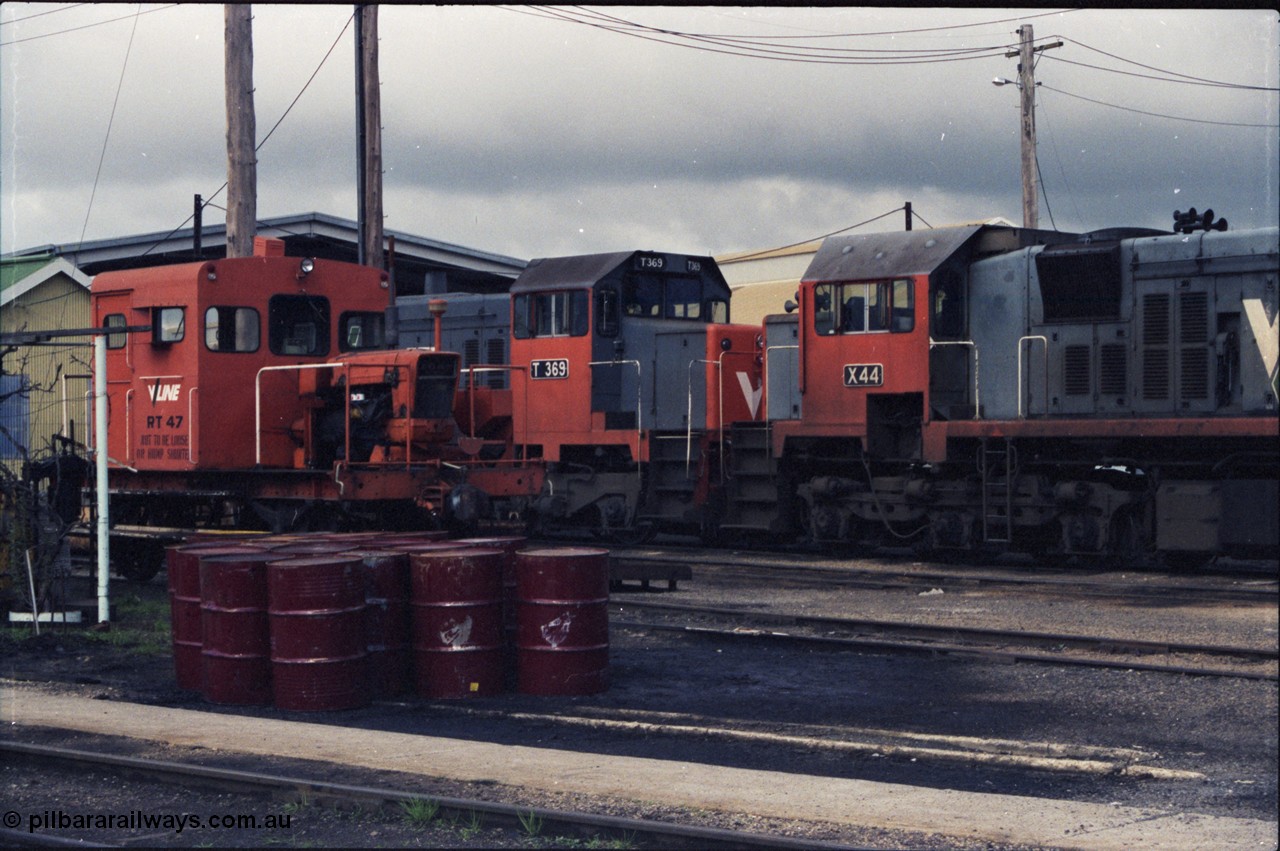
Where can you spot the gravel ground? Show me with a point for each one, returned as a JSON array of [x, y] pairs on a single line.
[[1222, 729]]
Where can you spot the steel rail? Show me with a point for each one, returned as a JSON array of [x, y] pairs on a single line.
[[639, 832], [800, 569], [1013, 645]]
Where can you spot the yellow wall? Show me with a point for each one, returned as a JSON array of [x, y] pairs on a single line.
[[59, 303]]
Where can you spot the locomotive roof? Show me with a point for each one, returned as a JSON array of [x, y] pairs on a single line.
[[914, 252], [584, 271]]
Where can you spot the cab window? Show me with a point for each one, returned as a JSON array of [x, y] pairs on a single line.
[[117, 340], [298, 325], [684, 298], [554, 314], [168, 325], [359, 331], [864, 308], [607, 313], [231, 329]]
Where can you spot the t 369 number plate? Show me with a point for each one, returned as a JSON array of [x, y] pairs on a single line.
[[552, 368]]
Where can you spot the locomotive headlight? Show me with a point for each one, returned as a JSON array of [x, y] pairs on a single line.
[[305, 267]]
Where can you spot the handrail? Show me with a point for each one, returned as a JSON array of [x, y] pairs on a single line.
[[1032, 338], [257, 400], [718, 363], [639, 405], [191, 426], [100, 441], [688, 417], [471, 385], [977, 397]]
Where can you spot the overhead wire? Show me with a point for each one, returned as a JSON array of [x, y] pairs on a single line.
[[81, 27], [863, 223], [107, 138], [206, 202], [736, 46], [1183, 78], [40, 14], [1156, 114]]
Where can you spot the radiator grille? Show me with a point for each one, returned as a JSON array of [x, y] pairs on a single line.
[[1075, 366], [1193, 318], [1113, 377], [1155, 319], [1155, 339], [1194, 383]]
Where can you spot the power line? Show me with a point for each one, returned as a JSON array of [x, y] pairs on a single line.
[[763, 252], [1185, 82], [1158, 114], [83, 26], [110, 121], [745, 47], [40, 14], [837, 35], [1185, 78], [209, 201]]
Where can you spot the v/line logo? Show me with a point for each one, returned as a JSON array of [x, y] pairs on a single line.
[[164, 392]]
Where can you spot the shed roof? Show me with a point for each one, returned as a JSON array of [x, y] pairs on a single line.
[[20, 275]]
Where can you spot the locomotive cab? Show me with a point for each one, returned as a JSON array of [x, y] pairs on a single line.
[[625, 372]]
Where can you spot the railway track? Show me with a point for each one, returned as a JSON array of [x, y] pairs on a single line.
[[1002, 644], [810, 570], [577, 826]]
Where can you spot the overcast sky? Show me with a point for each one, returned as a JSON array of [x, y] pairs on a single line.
[[518, 131]]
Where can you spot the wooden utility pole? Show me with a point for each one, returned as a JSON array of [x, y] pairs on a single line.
[[242, 159], [1027, 87], [369, 138]]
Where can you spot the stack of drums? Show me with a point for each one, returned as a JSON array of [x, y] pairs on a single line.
[[386, 597], [456, 600], [182, 567], [562, 645], [236, 652], [328, 622], [510, 545], [318, 647]]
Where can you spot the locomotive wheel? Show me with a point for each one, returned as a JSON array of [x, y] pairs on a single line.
[[1126, 549]]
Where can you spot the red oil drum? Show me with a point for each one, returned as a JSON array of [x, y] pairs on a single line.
[[456, 604], [236, 652], [417, 546], [312, 547], [182, 567], [386, 599], [316, 610], [386, 540], [351, 540], [509, 545], [562, 643]]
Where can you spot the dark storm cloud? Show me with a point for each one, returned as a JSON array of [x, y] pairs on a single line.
[[526, 136]]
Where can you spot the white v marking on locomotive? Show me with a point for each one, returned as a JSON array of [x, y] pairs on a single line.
[[751, 394], [1267, 334]]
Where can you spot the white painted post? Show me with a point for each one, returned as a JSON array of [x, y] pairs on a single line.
[[100, 459]]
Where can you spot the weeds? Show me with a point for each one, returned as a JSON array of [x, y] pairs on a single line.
[[530, 821], [473, 829], [420, 811], [295, 807]]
